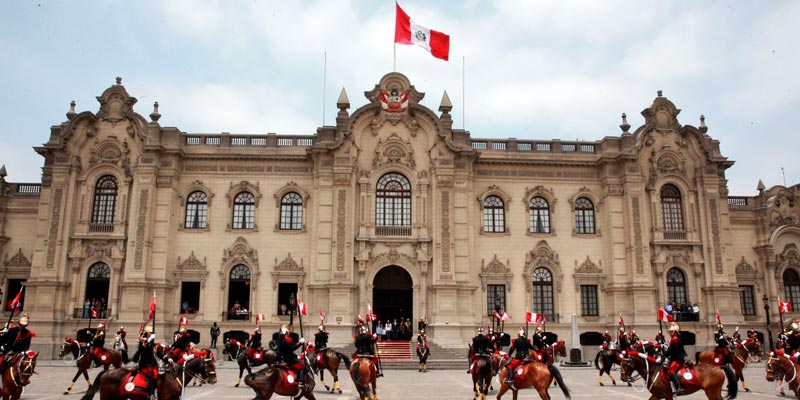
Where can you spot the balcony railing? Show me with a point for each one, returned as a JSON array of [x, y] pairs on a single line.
[[392, 231], [101, 228], [250, 140], [81, 313], [737, 201], [513, 145], [236, 315], [26, 188], [674, 235]]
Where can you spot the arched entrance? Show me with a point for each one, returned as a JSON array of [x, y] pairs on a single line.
[[393, 294]]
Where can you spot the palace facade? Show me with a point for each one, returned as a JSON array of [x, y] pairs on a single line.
[[392, 208]]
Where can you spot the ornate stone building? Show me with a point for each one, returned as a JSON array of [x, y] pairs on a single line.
[[390, 207]]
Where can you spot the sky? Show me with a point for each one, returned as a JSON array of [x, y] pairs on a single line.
[[536, 70]]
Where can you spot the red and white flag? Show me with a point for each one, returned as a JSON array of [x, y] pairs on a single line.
[[785, 307], [408, 31], [664, 316], [541, 318], [370, 315], [15, 304], [301, 308], [184, 321], [321, 316], [496, 315], [505, 316], [529, 317], [621, 322], [153, 307], [718, 318], [261, 317]]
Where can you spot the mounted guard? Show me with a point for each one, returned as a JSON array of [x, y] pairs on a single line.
[[181, 345], [15, 341], [365, 346], [254, 349], [676, 356], [480, 345], [99, 352], [145, 359], [519, 352], [287, 342]]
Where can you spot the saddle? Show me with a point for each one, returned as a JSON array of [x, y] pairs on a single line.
[[686, 375], [256, 356], [134, 384]]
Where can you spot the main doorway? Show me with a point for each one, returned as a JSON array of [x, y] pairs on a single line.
[[393, 295]]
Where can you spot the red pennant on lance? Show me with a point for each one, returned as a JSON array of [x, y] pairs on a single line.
[[301, 308], [321, 316], [621, 322], [93, 313], [718, 318], [664, 316], [496, 315], [184, 321], [505, 316], [408, 31], [15, 304], [153, 307], [261, 317], [785, 307], [529, 317]]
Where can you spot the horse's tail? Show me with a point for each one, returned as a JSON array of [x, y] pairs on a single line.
[[363, 388], [344, 358], [94, 388], [733, 383], [557, 374], [597, 358]]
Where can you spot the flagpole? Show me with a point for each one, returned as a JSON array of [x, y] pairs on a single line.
[[154, 313], [780, 314], [15, 305], [394, 57], [463, 93], [324, 79]]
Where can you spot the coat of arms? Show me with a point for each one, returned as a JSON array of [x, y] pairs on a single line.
[[394, 101]]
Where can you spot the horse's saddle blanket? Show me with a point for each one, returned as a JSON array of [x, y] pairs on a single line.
[[134, 384]]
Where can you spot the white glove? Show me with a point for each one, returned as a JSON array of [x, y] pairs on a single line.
[[302, 340], [4, 330], [544, 337]]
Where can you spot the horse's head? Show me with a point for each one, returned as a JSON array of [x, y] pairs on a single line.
[[27, 367], [69, 345], [560, 348], [208, 371], [625, 368], [753, 346], [777, 366]]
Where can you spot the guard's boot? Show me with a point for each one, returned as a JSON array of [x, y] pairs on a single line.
[[677, 389], [420, 367], [301, 379], [509, 376]]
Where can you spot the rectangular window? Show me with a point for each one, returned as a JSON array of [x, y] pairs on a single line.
[[285, 291], [747, 299], [190, 297], [14, 286], [589, 300], [495, 295]]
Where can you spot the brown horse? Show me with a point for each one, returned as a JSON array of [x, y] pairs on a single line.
[[169, 386], [327, 359], [781, 368], [738, 360], [423, 351], [238, 351], [704, 377], [536, 375], [555, 350], [18, 374], [83, 359], [363, 372], [278, 380], [482, 374]]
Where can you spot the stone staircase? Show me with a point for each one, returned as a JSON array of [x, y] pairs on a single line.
[[400, 354]]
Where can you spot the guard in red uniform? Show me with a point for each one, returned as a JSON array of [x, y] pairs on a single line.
[[288, 342], [676, 355], [254, 343], [181, 345], [99, 344], [121, 333], [607, 339], [520, 349], [15, 340], [145, 358]]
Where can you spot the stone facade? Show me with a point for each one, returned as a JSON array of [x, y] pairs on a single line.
[[50, 235]]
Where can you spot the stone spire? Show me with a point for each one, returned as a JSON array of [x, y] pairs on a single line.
[[343, 103], [625, 125], [155, 116], [703, 128], [71, 113]]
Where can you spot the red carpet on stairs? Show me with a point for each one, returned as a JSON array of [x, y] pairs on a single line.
[[394, 350]]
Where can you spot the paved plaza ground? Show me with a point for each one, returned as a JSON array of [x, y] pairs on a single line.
[[54, 376]]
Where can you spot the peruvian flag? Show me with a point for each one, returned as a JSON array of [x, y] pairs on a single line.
[[408, 31], [153, 307], [17, 302], [785, 307], [184, 321], [664, 316], [496, 315], [530, 317], [541, 318], [321, 316], [505, 316], [301, 308], [621, 322], [370, 315], [718, 317], [261, 317]]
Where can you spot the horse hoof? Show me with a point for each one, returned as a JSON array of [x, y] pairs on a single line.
[[340, 391], [629, 384], [65, 393], [747, 390], [614, 383], [601, 384], [236, 385]]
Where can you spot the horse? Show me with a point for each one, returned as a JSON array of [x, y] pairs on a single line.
[[650, 347], [536, 375], [482, 374], [363, 373], [18, 374], [693, 377], [327, 359], [275, 379], [239, 352], [423, 351], [555, 350], [739, 358], [603, 361], [168, 387], [83, 359], [781, 368]]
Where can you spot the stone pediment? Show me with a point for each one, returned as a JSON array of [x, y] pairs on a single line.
[[588, 267], [18, 261], [288, 264], [494, 267], [744, 268], [191, 264], [394, 150]]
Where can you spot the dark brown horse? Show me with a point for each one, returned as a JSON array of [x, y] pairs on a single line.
[[277, 380], [482, 374], [738, 359], [83, 359], [603, 361], [704, 377], [238, 351], [536, 375], [555, 350], [18, 374], [423, 351], [169, 386], [363, 372], [327, 359], [780, 368]]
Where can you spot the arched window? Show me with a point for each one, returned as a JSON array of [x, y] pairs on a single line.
[[539, 215], [543, 292], [291, 211], [676, 286], [672, 208], [239, 292], [393, 201], [494, 219], [244, 211], [196, 210], [105, 200], [584, 216], [97, 284], [791, 284]]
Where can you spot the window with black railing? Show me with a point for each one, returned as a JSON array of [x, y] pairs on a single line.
[[589, 306], [791, 286], [196, 210], [105, 200], [543, 292], [672, 209], [495, 297], [539, 215], [747, 299]]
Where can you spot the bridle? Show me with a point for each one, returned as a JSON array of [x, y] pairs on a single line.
[[24, 369]]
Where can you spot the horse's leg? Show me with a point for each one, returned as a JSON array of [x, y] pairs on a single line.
[[503, 387], [322, 378], [239, 380], [335, 373], [77, 374]]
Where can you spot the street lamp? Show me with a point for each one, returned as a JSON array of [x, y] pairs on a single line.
[[769, 330]]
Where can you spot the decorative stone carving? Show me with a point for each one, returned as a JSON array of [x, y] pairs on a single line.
[[243, 186], [588, 273], [393, 256], [445, 231], [55, 222], [494, 266], [141, 223], [288, 270], [195, 186], [587, 267], [394, 151], [394, 97], [744, 267], [637, 235], [240, 253], [191, 264], [715, 234], [543, 256], [288, 264], [495, 273], [341, 228], [18, 261]]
